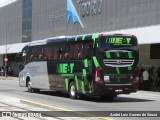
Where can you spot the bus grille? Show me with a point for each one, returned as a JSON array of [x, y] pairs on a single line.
[[118, 63]]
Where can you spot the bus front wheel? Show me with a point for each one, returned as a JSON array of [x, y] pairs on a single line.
[[72, 90]]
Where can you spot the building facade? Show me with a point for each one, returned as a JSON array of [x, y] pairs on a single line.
[[29, 20]]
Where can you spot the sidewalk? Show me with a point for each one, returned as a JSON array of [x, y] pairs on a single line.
[[149, 88], [155, 88], [13, 109], [8, 78]]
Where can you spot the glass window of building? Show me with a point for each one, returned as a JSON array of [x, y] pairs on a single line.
[[26, 20]]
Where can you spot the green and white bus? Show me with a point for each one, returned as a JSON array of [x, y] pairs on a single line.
[[96, 64]]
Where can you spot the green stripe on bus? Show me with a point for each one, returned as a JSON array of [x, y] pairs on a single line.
[[84, 72], [90, 88], [117, 70], [108, 55], [85, 76], [130, 55], [66, 81], [94, 37], [76, 79], [86, 63], [83, 89], [97, 45], [96, 63], [117, 54], [76, 38], [83, 38], [129, 67]]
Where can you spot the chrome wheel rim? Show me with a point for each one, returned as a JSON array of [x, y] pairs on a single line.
[[29, 85], [73, 90]]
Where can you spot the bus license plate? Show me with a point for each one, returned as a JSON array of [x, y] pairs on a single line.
[[106, 78], [118, 90]]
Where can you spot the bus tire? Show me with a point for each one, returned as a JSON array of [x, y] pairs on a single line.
[[30, 89], [72, 90]]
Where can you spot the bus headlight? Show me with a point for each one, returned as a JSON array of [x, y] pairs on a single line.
[[97, 79]]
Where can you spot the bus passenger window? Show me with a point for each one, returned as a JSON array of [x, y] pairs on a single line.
[[60, 53], [40, 54], [33, 54], [72, 52], [55, 55], [87, 50], [40, 57], [48, 53], [75, 46], [45, 54], [80, 52], [67, 52]]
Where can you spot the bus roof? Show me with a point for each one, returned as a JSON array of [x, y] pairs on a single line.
[[71, 38]]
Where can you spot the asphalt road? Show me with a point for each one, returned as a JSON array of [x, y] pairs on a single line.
[[140, 101]]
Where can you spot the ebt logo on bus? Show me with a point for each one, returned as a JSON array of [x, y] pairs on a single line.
[[90, 7], [119, 41], [65, 68]]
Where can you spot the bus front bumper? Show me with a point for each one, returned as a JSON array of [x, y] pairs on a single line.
[[102, 89]]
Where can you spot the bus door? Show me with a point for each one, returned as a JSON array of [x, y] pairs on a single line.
[[118, 58]]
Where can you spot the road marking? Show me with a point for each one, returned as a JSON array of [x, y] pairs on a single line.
[[62, 109], [42, 105]]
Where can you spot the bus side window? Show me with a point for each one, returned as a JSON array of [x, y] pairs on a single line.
[[47, 53], [28, 55], [72, 51], [50, 53], [67, 51], [87, 50], [75, 46], [76, 51], [33, 54], [80, 51], [55, 55], [40, 53], [61, 52]]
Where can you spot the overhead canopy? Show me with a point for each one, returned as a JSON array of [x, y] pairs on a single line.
[[145, 35], [12, 48]]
